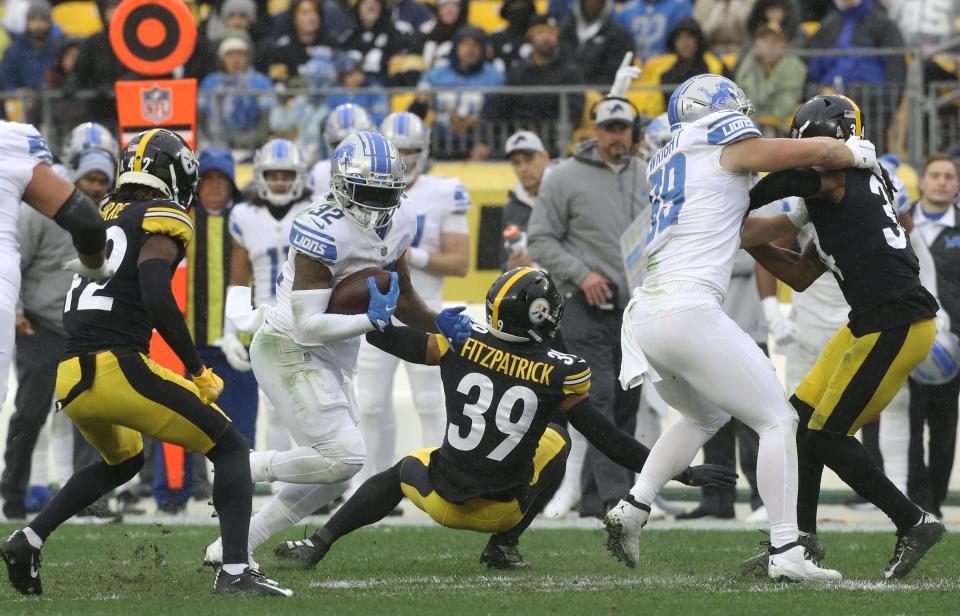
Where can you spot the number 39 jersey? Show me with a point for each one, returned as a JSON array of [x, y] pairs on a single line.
[[500, 396], [111, 314], [697, 208]]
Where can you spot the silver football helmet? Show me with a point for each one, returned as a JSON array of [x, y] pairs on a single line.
[[366, 178], [85, 136], [656, 135], [704, 94], [343, 121], [408, 132], [279, 155]]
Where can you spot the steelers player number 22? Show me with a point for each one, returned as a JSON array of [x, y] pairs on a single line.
[[515, 430], [88, 298]]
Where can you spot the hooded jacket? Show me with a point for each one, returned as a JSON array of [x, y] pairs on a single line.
[[583, 207], [598, 56]]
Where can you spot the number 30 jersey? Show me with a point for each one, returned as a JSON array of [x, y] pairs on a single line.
[[697, 208], [500, 396], [111, 314]]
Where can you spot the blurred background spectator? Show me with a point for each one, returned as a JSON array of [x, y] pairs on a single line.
[[595, 41], [233, 16], [724, 22], [530, 162], [27, 58], [306, 56], [376, 39], [773, 82], [509, 46], [440, 32], [650, 22], [781, 12]]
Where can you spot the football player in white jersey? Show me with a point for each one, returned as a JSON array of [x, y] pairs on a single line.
[[26, 175], [260, 231], [674, 330], [305, 358], [440, 248], [87, 136], [340, 123]]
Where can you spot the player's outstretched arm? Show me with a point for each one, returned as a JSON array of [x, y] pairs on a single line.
[[797, 270], [760, 154], [409, 344], [759, 230], [411, 308]]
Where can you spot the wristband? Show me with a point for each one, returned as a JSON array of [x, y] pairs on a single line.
[[771, 309], [418, 257]]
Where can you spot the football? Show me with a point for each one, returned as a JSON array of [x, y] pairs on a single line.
[[351, 296]]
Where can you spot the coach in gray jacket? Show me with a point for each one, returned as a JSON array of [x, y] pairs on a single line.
[[584, 206]]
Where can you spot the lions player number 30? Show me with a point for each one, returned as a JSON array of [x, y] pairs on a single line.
[[481, 386], [666, 194]]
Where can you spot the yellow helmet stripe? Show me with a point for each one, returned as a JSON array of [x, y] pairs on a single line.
[[503, 292], [141, 147]]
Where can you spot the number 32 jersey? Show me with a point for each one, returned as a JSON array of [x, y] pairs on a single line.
[[500, 396], [697, 208], [111, 314]]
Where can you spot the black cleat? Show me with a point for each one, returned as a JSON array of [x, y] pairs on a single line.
[[23, 564], [758, 565], [913, 544], [303, 553], [250, 583], [502, 554]]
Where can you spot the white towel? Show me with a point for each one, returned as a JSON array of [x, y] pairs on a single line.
[[633, 364], [239, 311]]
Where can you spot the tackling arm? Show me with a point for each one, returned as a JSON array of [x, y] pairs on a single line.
[[408, 344], [761, 154], [795, 269]]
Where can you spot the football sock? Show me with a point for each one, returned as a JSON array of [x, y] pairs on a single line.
[[232, 493], [82, 490], [777, 478], [671, 454], [289, 505], [33, 538], [551, 475], [372, 501], [235, 569], [810, 472], [851, 461]]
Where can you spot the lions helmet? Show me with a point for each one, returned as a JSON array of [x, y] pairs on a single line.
[[408, 132], [827, 115], [704, 94], [366, 178], [162, 160], [524, 303], [343, 121], [941, 364], [656, 135], [901, 200], [86, 136], [279, 155]]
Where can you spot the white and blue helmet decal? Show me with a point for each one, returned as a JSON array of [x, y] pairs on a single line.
[[86, 136], [704, 94], [901, 200], [942, 363], [343, 121], [279, 155], [408, 132], [366, 178]]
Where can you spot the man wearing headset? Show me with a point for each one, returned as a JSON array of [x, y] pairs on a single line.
[[583, 209]]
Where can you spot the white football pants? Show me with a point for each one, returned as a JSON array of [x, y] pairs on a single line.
[[707, 363]]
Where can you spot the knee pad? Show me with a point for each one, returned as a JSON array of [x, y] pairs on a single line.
[[230, 441]]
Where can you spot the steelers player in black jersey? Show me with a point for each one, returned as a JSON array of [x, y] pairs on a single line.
[[891, 328], [502, 458], [109, 387]]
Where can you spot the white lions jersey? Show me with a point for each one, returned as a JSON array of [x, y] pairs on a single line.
[[697, 207], [441, 206], [325, 233], [266, 241], [319, 182], [21, 149]]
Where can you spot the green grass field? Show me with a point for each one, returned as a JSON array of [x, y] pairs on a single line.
[[154, 570]]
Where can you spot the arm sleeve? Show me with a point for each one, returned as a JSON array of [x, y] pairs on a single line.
[[609, 439], [547, 228], [312, 325], [155, 289], [80, 217], [404, 342], [793, 183]]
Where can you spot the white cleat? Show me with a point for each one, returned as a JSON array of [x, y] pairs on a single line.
[[797, 565], [623, 524], [562, 502], [213, 556]]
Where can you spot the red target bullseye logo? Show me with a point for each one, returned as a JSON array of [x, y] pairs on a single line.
[[153, 37]]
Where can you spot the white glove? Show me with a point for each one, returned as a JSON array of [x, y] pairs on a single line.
[[237, 355], [781, 329], [625, 76], [798, 214], [99, 274], [864, 154]]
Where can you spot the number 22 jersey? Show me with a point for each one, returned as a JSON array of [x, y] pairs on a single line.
[[500, 396], [697, 208]]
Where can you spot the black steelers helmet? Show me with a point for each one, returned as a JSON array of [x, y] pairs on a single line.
[[523, 304], [827, 115], [160, 159]]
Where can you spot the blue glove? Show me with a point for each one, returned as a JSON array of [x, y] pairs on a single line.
[[453, 325], [382, 305]]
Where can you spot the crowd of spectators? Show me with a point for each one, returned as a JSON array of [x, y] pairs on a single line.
[[255, 69]]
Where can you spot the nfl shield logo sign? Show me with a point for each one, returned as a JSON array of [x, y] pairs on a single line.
[[383, 251], [156, 104]]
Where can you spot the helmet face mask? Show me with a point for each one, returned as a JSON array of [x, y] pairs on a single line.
[[524, 304], [411, 136], [366, 179], [704, 94], [280, 155], [162, 160]]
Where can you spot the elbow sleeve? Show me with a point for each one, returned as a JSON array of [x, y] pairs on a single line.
[[79, 216], [312, 325], [794, 183]]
